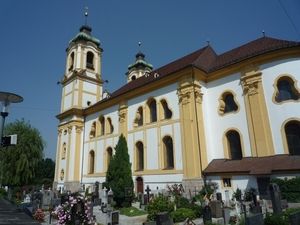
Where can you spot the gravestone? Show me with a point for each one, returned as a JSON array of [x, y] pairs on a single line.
[[216, 209], [163, 218], [256, 209], [55, 202], [256, 219], [115, 215], [46, 198], [150, 223], [294, 218], [284, 204], [219, 196], [226, 215], [140, 195], [206, 212], [148, 190], [64, 199], [103, 196], [145, 199], [27, 199], [9, 195], [227, 197], [276, 198]]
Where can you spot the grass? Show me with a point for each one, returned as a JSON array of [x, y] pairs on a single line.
[[132, 211]]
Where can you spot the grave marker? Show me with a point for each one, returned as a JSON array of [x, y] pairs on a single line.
[[163, 218], [115, 215], [276, 198], [206, 212], [256, 219], [216, 209], [294, 218]]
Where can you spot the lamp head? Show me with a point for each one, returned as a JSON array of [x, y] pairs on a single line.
[[7, 98]]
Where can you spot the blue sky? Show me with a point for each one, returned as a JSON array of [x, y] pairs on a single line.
[[35, 34]]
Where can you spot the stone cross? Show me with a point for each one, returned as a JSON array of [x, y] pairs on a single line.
[[148, 192]]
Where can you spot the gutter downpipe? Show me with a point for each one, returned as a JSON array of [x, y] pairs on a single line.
[[82, 157]]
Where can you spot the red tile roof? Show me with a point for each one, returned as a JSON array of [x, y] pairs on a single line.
[[208, 61], [254, 165]]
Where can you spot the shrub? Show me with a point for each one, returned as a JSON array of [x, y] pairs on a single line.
[[182, 214], [287, 213], [184, 203], [3, 193], [238, 194], [289, 188], [273, 219], [159, 204], [197, 210]]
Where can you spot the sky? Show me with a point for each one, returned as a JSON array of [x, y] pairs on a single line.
[[35, 34]]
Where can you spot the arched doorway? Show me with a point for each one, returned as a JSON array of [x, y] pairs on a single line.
[[139, 185]]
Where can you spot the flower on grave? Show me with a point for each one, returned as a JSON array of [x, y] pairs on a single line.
[[75, 210], [39, 216], [232, 220]]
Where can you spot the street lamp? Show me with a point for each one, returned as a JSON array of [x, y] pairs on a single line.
[[7, 98]]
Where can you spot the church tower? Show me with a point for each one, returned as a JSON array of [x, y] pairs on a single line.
[[81, 88], [139, 68]]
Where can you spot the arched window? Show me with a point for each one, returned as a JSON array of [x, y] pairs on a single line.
[[110, 126], [139, 156], [138, 121], [64, 150], [71, 61], [91, 162], [90, 60], [168, 152], [292, 132], [93, 130], [102, 125], [152, 109], [166, 112], [230, 104], [109, 155], [227, 103], [286, 89], [234, 145]]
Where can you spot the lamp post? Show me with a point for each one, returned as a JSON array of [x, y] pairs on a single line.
[[6, 98]]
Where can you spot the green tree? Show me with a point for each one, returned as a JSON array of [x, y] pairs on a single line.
[[20, 162], [45, 173], [119, 174]]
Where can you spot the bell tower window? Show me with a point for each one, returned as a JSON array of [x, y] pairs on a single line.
[[90, 60], [71, 61]]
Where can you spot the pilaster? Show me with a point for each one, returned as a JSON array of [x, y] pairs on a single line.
[[256, 110], [123, 114], [189, 97]]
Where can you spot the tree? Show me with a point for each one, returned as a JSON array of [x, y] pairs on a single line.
[[20, 162], [45, 173], [119, 175]]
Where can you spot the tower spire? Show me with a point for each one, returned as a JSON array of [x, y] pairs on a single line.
[[86, 15]]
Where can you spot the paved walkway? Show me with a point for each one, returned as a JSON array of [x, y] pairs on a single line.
[[9, 214]]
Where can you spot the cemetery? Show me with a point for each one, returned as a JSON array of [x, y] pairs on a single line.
[[167, 206]]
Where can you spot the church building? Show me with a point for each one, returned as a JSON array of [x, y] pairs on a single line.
[[232, 118]]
